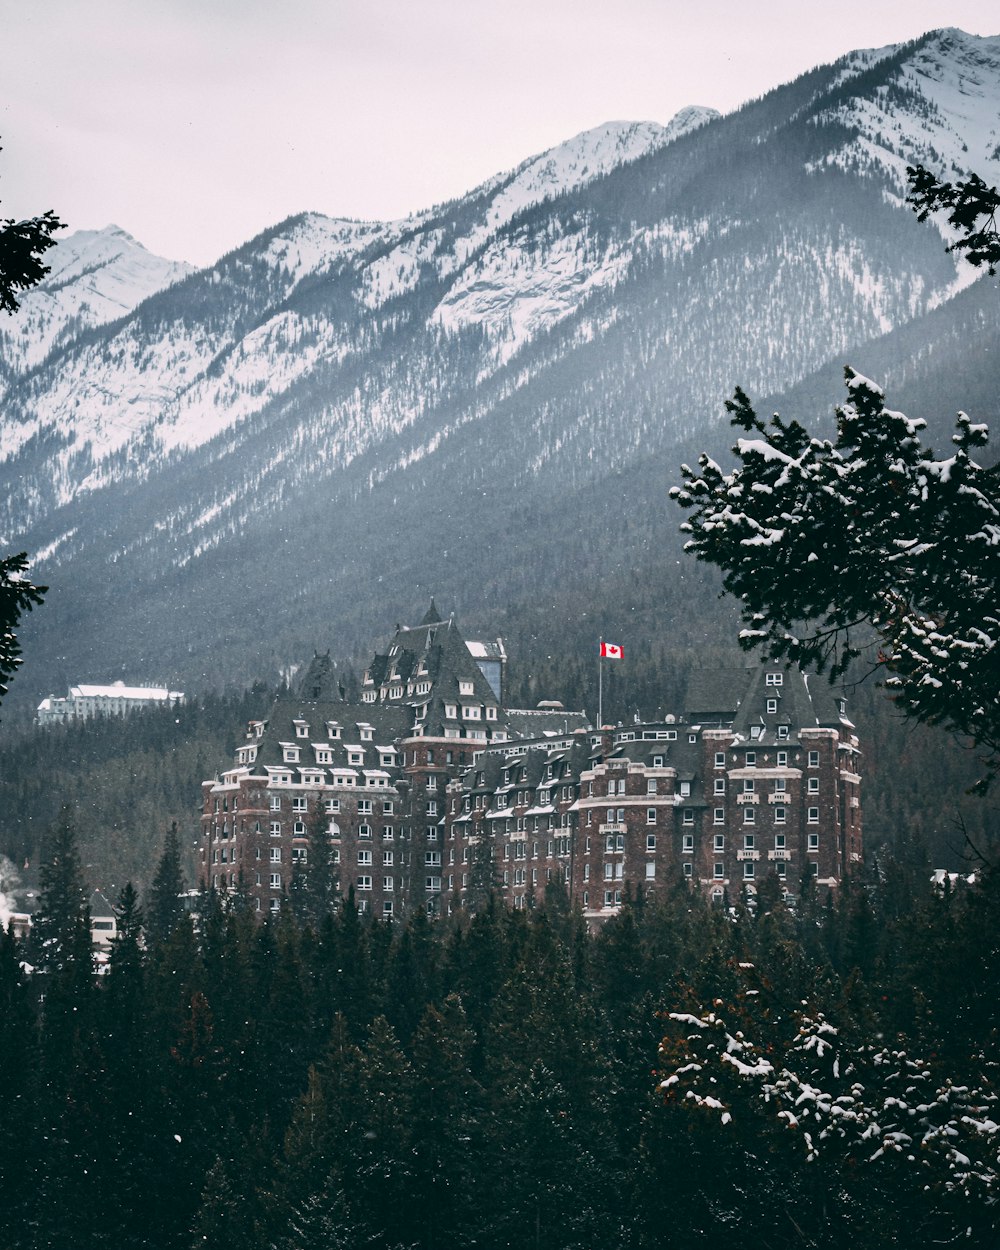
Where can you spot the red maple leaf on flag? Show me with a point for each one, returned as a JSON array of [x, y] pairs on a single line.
[[611, 651]]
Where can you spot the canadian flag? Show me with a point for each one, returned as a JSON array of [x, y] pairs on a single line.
[[609, 651]]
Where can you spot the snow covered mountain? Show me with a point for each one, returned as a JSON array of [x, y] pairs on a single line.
[[95, 276], [338, 415]]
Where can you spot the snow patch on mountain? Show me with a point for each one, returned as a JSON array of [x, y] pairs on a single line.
[[941, 108], [95, 276], [311, 243]]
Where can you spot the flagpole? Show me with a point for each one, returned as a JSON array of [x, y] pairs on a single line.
[[600, 684]]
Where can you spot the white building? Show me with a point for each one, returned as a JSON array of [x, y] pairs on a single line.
[[84, 702]]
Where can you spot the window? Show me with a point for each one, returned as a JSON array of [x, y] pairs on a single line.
[[774, 679], [779, 815], [782, 732], [689, 870], [299, 803], [299, 829], [364, 857], [692, 737], [779, 785], [364, 831], [275, 880], [657, 761], [719, 843], [651, 785], [781, 869], [275, 802], [814, 785], [719, 816], [275, 828], [650, 870], [756, 731], [718, 870], [332, 805], [751, 759], [813, 816], [719, 785], [748, 869], [814, 759], [433, 883], [688, 817], [650, 815], [609, 871], [387, 884], [748, 785], [720, 759], [779, 841], [685, 789], [275, 856], [772, 706], [749, 815], [387, 808], [650, 841], [813, 842], [687, 843], [364, 882], [387, 907], [782, 759], [387, 858], [432, 859]]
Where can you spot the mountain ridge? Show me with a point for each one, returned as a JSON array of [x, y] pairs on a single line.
[[353, 391]]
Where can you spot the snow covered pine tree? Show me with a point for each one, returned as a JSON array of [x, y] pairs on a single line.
[[871, 529]]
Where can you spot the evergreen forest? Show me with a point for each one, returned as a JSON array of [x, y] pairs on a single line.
[[505, 1079]]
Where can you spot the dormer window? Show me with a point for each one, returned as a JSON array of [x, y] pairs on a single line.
[[355, 757], [774, 679], [772, 706], [366, 732], [301, 729], [755, 731], [782, 731], [465, 687], [332, 729], [290, 755], [451, 710]]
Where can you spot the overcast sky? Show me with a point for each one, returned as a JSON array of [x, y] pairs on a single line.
[[194, 124]]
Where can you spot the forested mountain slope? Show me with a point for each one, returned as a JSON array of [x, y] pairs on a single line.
[[488, 399]]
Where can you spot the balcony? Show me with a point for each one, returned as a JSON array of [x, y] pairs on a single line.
[[611, 829], [784, 854], [779, 796], [748, 796], [754, 855]]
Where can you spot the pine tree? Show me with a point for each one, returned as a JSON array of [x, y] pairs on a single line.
[[164, 905], [55, 926]]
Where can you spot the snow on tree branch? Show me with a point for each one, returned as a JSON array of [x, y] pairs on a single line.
[[867, 537]]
